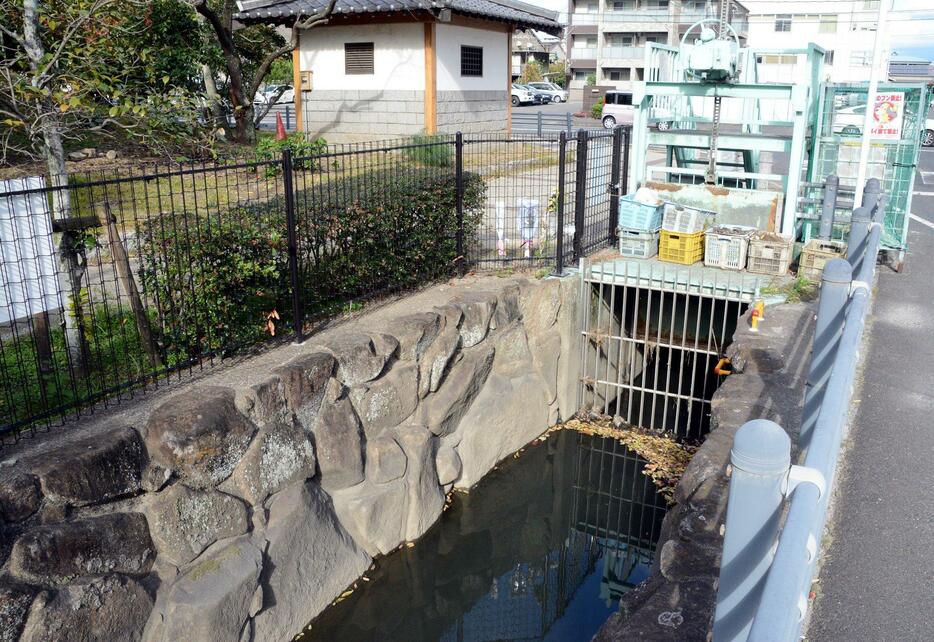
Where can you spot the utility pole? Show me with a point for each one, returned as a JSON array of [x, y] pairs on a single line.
[[877, 50]]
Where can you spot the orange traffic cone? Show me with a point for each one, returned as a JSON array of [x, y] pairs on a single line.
[[280, 128]]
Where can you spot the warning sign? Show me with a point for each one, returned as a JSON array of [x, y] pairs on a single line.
[[887, 115]]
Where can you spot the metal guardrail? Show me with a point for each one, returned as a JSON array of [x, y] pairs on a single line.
[[542, 123], [767, 568]]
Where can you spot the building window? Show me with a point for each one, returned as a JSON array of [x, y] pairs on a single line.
[[358, 58], [828, 24], [471, 61], [861, 58], [871, 4], [828, 57], [783, 22]]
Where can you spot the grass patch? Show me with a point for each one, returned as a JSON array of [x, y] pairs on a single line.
[[799, 290]]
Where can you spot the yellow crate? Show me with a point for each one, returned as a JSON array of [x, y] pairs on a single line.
[[678, 247], [815, 256]]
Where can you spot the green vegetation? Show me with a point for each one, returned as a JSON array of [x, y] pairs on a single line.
[[597, 109], [268, 148], [430, 151], [796, 291]]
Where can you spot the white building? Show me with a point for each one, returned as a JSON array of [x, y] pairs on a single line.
[[844, 28], [387, 68]]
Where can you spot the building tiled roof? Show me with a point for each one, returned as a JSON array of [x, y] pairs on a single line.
[[519, 14]]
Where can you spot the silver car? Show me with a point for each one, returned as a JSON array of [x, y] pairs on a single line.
[[553, 91]]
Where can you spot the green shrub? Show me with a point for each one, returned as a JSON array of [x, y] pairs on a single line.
[[214, 281], [268, 148], [431, 151], [597, 109]]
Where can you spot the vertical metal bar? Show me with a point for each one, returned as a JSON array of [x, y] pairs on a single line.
[[539, 123], [624, 178], [562, 168], [570, 123], [760, 459], [580, 193], [831, 311], [289, 190], [828, 206], [288, 118], [856, 242], [459, 188], [615, 184]]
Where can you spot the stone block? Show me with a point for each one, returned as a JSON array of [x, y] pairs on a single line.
[[281, 454], [508, 413], [200, 435], [211, 600], [19, 495], [265, 402], [442, 411], [437, 356], [184, 522], [93, 470], [539, 304], [338, 440], [387, 401], [478, 310], [311, 560], [113, 607], [362, 357], [58, 554], [448, 464], [425, 497], [374, 514], [513, 357], [385, 460], [14, 607], [304, 381], [415, 333]]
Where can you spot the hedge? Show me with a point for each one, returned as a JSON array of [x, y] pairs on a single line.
[[215, 280]]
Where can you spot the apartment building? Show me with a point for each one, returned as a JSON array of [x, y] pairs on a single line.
[[606, 38], [845, 28]]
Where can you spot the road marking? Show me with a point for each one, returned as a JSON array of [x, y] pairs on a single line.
[[925, 176], [923, 221], [923, 193]]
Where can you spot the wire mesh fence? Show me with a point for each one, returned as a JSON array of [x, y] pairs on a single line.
[[115, 279]]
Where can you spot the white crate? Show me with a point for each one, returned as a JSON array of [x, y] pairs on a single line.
[[686, 220], [638, 244], [726, 247]]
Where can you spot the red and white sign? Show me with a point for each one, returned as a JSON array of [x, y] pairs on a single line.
[[887, 115]]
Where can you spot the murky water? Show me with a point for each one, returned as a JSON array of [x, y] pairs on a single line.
[[541, 549]]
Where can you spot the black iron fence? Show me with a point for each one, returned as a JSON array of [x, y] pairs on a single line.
[[124, 277]]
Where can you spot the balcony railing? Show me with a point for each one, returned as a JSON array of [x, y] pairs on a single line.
[[622, 53], [585, 18], [584, 52]]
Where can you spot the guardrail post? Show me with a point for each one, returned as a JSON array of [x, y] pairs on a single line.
[[580, 193], [615, 183], [562, 177], [292, 239], [871, 193], [828, 206], [459, 199], [539, 124], [856, 243], [760, 460], [831, 311]]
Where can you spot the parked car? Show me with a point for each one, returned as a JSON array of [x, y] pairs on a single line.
[[269, 93], [927, 136], [521, 95], [554, 92], [617, 109], [849, 120]]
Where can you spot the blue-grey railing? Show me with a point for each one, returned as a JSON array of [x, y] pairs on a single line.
[[767, 568]]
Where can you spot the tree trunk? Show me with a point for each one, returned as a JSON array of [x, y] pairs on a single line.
[[214, 98]]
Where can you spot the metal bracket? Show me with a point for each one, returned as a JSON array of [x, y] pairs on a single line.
[[876, 224], [804, 475], [860, 285], [613, 189]]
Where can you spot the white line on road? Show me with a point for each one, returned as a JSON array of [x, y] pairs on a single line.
[[921, 220], [923, 193]]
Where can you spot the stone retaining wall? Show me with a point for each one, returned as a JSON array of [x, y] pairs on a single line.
[[677, 602], [239, 512], [472, 111], [351, 115]]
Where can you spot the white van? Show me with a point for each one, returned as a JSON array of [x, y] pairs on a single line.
[[617, 109]]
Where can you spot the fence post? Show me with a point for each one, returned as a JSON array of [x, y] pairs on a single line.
[[624, 182], [760, 460], [288, 118], [289, 190], [539, 123], [570, 122], [580, 193], [871, 193], [459, 182], [856, 242], [831, 311], [559, 240], [615, 183], [829, 204]]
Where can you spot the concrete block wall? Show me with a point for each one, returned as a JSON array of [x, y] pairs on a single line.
[[472, 111], [241, 510], [347, 115]]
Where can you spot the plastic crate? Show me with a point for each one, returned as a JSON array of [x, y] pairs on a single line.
[[725, 246], [634, 215], [676, 247], [687, 220], [769, 253], [816, 254], [639, 244]]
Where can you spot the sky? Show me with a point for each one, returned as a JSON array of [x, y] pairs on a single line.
[[911, 28]]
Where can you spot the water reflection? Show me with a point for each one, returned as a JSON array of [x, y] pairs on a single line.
[[542, 549]]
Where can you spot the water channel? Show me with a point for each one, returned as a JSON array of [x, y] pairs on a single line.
[[541, 549]]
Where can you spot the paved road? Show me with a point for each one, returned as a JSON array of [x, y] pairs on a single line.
[[877, 583]]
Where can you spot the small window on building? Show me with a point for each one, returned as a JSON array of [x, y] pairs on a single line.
[[358, 58], [783, 22], [828, 24], [471, 61], [828, 57]]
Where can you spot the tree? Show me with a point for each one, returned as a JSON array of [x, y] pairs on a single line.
[[531, 71], [558, 73], [244, 82]]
